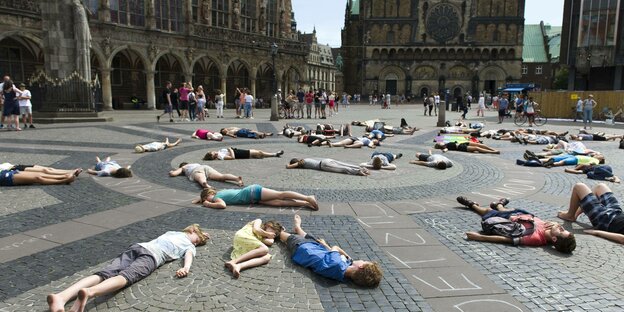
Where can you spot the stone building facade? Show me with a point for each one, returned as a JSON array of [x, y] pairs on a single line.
[[134, 46], [321, 68], [422, 46]]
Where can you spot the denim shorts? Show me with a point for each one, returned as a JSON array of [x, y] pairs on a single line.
[[601, 210]]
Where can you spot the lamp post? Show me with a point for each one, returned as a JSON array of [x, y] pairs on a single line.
[[588, 56], [274, 99]]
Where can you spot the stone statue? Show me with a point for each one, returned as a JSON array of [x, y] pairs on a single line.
[[262, 17], [236, 11], [205, 12], [282, 23], [82, 36], [339, 62]]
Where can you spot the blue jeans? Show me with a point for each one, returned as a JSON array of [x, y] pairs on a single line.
[[247, 109], [587, 116]]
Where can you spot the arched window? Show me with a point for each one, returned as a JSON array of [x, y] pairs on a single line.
[[271, 18], [128, 12], [220, 9], [169, 15], [248, 16]]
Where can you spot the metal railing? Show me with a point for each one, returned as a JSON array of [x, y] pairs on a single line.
[[70, 94]]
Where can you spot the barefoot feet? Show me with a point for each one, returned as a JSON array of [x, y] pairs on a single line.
[[297, 226], [564, 216], [77, 172], [81, 301], [56, 303], [312, 203], [234, 268], [240, 181]]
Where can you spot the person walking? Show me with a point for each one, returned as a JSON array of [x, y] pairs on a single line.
[[219, 102], [166, 101], [588, 109], [578, 114]]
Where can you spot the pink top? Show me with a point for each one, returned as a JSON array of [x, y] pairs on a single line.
[[184, 92], [202, 133], [538, 237]]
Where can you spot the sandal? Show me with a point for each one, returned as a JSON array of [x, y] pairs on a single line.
[[466, 202], [502, 201]]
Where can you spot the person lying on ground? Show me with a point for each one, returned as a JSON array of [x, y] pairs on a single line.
[[133, 265], [404, 128], [110, 168], [573, 160], [254, 194], [37, 175], [457, 129], [469, 147], [596, 137], [232, 153], [331, 130], [327, 164], [432, 161], [535, 139], [378, 135], [354, 142], [330, 262], [315, 139], [250, 246], [563, 147], [365, 123], [40, 169], [602, 209], [204, 134], [290, 131], [201, 173], [382, 160], [536, 231], [595, 172], [156, 146], [540, 131], [477, 125], [555, 152], [236, 132]]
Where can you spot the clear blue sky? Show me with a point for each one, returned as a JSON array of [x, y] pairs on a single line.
[[328, 16]]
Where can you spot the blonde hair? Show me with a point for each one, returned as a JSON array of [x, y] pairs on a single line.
[[194, 228], [207, 192], [369, 275], [139, 149]]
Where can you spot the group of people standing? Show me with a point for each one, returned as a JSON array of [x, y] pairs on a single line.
[[190, 103], [15, 102]]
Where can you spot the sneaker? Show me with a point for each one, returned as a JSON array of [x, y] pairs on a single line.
[[32, 126], [530, 153], [157, 118], [170, 120], [466, 202], [399, 155], [1, 126], [280, 153], [502, 201], [549, 163]]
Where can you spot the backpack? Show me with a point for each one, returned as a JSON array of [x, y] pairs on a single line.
[[191, 98], [507, 228], [622, 144]]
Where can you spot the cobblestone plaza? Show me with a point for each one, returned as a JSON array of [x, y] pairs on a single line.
[[408, 220]]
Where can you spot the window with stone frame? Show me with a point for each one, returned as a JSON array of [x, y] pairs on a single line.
[[525, 69], [168, 15], [195, 10], [220, 13], [128, 12], [271, 18], [598, 23], [248, 15], [538, 70]]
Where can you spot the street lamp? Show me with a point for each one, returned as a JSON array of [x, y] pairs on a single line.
[[275, 98], [588, 56]]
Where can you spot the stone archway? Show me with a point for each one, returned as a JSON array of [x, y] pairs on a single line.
[[168, 68], [292, 79], [491, 78], [128, 78], [237, 77], [20, 57], [206, 73], [264, 83]]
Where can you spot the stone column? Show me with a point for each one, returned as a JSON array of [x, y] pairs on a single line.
[[107, 92], [188, 77], [150, 15], [252, 80], [224, 89], [188, 16], [104, 11], [151, 90]]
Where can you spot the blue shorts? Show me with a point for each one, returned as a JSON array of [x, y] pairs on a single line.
[[504, 214], [256, 193], [602, 210], [568, 160], [6, 177], [245, 133], [388, 155]]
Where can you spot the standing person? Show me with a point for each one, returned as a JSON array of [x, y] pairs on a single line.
[[184, 101], [219, 102], [468, 101], [436, 106], [309, 99], [425, 100], [175, 101], [495, 102], [578, 113], [317, 104], [388, 99], [323, 98], [332, 102], [503, 105], [530, 107], [201, 103], [133, 265], [482, 106], [463, 107], [25, 106], [166, 101], [237, 102], [4, 80], [300, 98], [192, 103], [248, 104], [588, 109], [430, 103], [11, 106]]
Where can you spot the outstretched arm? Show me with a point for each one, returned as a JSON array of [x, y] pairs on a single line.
[[91, 171], [488, 238], [219, 204], [188, 260], [418, 162], [292, 166], [616, 237], [176, 172], [389, 167]]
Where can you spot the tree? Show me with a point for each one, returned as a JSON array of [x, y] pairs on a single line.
[[561, 79]]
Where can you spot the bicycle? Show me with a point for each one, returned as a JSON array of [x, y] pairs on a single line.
[[539, 120]]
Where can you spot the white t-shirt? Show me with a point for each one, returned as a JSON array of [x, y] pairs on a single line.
[[25, 102], [248, 98], [223, 153], [579, 105], [154, 146], [436, 99], [481, 102], [169, 246]]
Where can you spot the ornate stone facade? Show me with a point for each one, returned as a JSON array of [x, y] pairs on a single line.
[[134, 50], [321, 68], [423, 46]]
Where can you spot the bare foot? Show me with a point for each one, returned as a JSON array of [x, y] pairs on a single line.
[[77, 172], [564, 216], [81, 301], [240, 181], [313, 203], [55, 303], [234, 268]]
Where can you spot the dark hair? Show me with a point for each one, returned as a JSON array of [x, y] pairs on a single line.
[[122, 173], [565, 244], [441, 165], [294, 161], [208, 156], [182, 164], [7, 85], [377, 163], [222, 130], [276, 226]]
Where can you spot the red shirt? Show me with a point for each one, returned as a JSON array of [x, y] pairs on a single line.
[[538, 237], [309, 98]]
